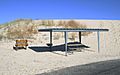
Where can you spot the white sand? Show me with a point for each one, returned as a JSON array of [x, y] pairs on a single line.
[[29, 62]]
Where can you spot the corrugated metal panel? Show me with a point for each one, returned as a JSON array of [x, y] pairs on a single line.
[[72, 29]]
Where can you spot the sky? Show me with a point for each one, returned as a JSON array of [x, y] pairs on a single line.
[[59, 9]]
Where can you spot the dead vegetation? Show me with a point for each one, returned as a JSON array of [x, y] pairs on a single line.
[[21, 32], [47, 23], [73, 24], [25, 28]]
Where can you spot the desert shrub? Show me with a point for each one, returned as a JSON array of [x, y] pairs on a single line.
[[16, 22], [47, 23], [50, 23], [62, 23], [74, 24], [1, 37], [21, 32], [43, 22], [73, 35], [0, 26], [56, 36]]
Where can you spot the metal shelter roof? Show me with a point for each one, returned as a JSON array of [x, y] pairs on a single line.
[[72, 30]]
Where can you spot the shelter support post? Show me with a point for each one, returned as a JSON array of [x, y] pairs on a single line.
[[98, 36], [51, 40], [80, 37], [66, 36]]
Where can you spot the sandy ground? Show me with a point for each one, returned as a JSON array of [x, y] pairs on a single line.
[[30, 62]]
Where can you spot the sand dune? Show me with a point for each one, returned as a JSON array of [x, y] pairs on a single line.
[[30, 62]]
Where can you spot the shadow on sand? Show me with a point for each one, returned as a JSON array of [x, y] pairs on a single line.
[[71, 46], [110, 67]]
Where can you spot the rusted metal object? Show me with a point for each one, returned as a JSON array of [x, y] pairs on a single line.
[[21, 43]]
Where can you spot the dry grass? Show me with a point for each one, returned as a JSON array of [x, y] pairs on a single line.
[[73, 24], [66, 24], [25, 28], [47, 23], [21, 32]]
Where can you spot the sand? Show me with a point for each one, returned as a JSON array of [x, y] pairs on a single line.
[[30, 62]]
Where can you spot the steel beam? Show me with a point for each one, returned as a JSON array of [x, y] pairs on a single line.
[[98, 36], [80, 37], [51, 41], [66, 36]]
